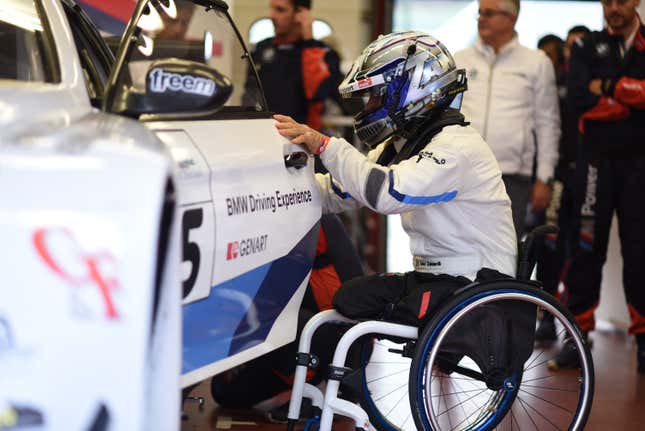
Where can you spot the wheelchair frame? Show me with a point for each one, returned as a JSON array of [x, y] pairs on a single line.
[[331, 404]]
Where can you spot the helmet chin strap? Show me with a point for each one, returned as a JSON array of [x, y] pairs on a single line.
[[411, 127]]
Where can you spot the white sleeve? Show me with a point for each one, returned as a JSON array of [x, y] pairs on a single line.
[[430, 177], [547, 119], [334, 197]]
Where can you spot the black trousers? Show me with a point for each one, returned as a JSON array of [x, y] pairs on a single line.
[[605, 186], [408, 298]]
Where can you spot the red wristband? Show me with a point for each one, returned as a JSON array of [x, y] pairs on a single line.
[[323, 146]]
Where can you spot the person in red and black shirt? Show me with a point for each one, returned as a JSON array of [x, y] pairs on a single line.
[[606, 91], [297, 72]]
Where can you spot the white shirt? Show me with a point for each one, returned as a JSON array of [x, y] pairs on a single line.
[[451, 198], [512, 101]]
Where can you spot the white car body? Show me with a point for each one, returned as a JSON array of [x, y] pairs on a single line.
[[101, 220], [240, 307]]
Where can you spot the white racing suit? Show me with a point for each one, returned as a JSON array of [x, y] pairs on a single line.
[[451, 198]]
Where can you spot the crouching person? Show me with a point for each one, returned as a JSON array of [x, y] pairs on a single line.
[[428, 165]]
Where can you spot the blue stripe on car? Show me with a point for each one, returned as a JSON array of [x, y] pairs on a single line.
[[279, 285], [419, 200], [209, 324], [239, 313]]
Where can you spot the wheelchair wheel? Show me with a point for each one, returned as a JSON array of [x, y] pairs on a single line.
[[383, 384], [476, 366]]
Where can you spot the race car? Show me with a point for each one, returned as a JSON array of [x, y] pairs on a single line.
[[156, 228]]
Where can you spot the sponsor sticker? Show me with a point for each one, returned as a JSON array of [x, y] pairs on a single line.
[[246, 204], [602, 49], [246, 247], [84, 272], [364, 83], [430, 156], [161, 81], [268, 55]]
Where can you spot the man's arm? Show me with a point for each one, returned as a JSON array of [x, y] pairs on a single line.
[[547, 129], [590, 97], [579, 98], [433, 177]]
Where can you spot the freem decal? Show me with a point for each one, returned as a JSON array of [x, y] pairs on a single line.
[[161, 81]]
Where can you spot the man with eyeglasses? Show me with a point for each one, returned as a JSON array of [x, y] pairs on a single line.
[[512, 101], [606, 91]]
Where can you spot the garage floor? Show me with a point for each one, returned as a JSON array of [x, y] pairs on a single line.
[[618, 402]]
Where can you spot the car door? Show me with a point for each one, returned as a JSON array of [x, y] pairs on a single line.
[[249, 206]]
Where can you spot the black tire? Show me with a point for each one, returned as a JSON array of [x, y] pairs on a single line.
[[480, 397]]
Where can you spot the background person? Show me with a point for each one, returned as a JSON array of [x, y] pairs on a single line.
[[606, 91], [553, 47], [512, 101], [297, 72], [177, 27], [560, 212]]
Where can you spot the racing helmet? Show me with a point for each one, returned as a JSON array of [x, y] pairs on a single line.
[[404, 76]]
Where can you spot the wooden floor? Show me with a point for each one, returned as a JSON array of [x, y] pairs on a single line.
[[619, 400]]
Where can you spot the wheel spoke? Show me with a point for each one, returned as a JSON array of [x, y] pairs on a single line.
[[521, 401], [387, 376], [546, 388], [405, 395], [546, 401], [542, 416], [398, 388]]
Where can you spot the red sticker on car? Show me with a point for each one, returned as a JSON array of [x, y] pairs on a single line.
[[88, 266], [364, 82]]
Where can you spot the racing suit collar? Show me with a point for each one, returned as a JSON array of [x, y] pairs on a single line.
[[398, 142]]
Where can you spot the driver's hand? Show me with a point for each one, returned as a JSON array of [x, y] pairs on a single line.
[[300, 133]]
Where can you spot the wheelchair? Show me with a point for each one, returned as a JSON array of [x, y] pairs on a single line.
[[474, 366]]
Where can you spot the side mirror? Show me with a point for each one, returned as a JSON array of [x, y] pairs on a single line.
[[182, 86]]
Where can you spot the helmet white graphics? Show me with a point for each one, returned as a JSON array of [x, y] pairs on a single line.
[[407, 75]]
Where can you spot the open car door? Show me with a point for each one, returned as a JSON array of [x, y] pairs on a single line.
[[248, 204]]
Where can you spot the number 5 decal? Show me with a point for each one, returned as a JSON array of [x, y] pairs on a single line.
[[192, 219]]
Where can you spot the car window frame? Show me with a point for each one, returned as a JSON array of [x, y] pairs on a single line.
[[51, 63], [100, 55], [126, 44]]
